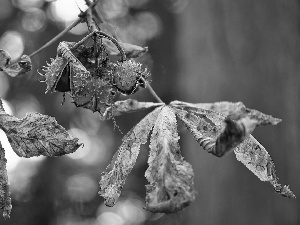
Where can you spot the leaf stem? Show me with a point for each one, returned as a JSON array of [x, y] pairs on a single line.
[[153, 93]]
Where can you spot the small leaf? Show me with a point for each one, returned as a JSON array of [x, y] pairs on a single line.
[[5, 200], [171, 185], [36, 135], [131, 51], [127, 106], [113, 179], [234, 110], [23, 65], [255, 157]]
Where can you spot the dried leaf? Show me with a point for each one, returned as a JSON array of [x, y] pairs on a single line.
[[113, 179], [127, 106], [23, 65], [255, 157], [5, 200], [36, 135], [250, 152], [131, 51], [234, 110], [217, 139], [171, 185]]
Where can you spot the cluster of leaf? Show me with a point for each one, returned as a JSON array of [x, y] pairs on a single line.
[[33, 135], [85, 71], [218, 127]]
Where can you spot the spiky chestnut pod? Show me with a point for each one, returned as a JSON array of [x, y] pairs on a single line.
[[128, 76]]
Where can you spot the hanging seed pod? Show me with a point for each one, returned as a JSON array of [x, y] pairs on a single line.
[[128, 76]]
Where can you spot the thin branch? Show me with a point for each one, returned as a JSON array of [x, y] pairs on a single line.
[[67, 29], [153, 93], [75, 23]]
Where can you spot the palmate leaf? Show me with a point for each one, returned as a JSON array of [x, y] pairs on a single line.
[[5, 200], [113, 178], [206, 122], [36, 135], [171, 185]]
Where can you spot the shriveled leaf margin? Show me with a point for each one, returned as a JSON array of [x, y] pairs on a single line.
[[234, 110], [113, 180], [250, 152], [171, 178], [214, 139], [5, 200], [36, 135]]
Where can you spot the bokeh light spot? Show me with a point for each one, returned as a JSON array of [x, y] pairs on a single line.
[[34, 19], [26, 4], [81, 187], [26, 104], [12, 42], [110, 218], [114, 8], [67, 10]]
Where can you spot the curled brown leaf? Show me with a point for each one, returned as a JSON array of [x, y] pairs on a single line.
[[113, 178], [36, 135], [171, 185]]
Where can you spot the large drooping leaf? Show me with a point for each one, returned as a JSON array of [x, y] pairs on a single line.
[[113, 179], [127, 106], [171, 185], [36, 135], [23, 65], [250, 152], [5, 200], [255, 157]]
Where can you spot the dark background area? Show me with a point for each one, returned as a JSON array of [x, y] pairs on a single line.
[[199, 51]]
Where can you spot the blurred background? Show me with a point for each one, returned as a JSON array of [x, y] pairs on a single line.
[[199, 51]]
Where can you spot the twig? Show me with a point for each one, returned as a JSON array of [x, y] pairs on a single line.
[[153, 93], [74, 24]]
